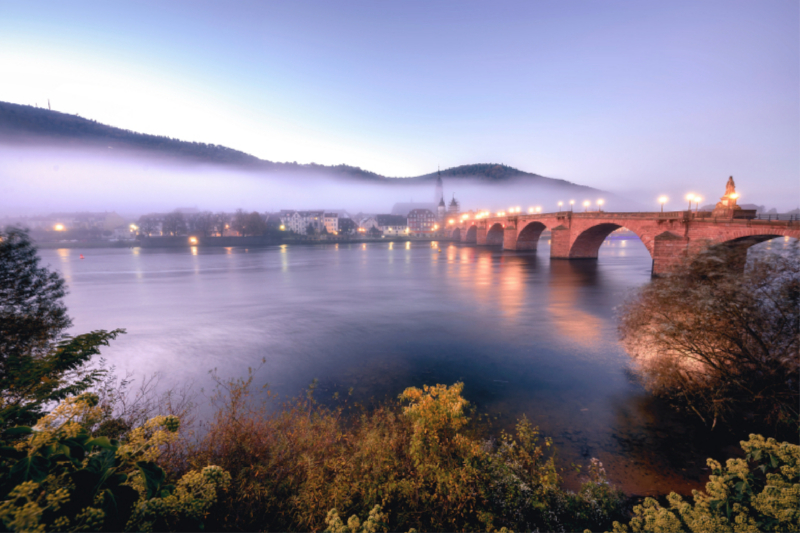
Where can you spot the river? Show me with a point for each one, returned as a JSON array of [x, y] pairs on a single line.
[[525, 334]]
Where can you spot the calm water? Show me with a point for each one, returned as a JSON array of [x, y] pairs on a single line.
[[525, 335]]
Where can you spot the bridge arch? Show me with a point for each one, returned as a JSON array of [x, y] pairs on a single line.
[[472, 235], [587, 243], [528, 237], [456, 234], [494, 235]]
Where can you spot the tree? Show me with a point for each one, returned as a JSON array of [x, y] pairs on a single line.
[[174, 224], [221, 222], [39, 362], [324, 230], [239, 222], [203, 223], [147, 224], [374, 232], [720, 342], [310, 229], [254, 224]]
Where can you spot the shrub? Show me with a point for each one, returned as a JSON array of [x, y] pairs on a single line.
[[60, 478], [758, 493], [719, 342], [304, 466]]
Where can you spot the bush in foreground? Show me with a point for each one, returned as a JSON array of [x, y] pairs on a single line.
[[722, 343], [419, 460], [61, 478], [758, 493]]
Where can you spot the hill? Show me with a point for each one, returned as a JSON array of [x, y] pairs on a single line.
[[22, 124]]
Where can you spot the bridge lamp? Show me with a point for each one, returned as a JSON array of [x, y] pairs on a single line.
[[690, 197], [697, 200], [662, 200], [733, 196], [559, 206], [585, 205], [192, 240], [59, 227], [450, 221], [571, 203], [538, 209], [600, 203]]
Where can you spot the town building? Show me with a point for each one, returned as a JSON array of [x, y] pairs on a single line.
[[422, 222], [392, 225], [331, 222], [299, 221]]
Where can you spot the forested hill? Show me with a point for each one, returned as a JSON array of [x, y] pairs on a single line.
[[35, 125]]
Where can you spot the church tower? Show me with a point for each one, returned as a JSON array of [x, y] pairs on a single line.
[[439, 195], [454, 207]]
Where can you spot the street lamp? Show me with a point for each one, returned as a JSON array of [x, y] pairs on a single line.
[[697, 200], [600, 204], [690, 197], [585, 206], [538, 209], [559, 206], [662, 200], [571, 203]]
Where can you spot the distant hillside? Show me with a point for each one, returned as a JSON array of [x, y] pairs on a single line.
[[33, 125]]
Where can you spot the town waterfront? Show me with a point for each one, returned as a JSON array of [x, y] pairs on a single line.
[[526, 335]]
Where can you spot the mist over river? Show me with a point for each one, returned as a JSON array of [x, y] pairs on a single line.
[[526, 335]]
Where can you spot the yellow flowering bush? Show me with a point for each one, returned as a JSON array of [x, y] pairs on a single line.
[[59, 478], [758, 493]]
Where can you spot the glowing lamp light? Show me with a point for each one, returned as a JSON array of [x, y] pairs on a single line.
[[600, 203], [192, 240], [450, 221], [690, 197], [662, 200], [538, 209], [134, 227], [586, 205], [283, 227], [733, 196], [530, 210], [59, 227]]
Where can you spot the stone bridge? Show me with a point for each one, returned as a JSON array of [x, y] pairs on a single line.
[[667, 236]]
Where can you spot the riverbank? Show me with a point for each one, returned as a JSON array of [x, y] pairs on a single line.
[[226, 242]]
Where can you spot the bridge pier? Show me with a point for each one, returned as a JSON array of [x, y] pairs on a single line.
[[510, 237], [480, 236], [559, 242], [668, 250]]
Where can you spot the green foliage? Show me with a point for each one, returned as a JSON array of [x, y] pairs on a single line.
[[376, 521], [61, 478], [39, 363], [758, 493]]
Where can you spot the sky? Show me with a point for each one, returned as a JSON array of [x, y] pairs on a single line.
[[639, 98]]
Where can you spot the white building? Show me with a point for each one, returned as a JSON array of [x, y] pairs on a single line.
[[331, 222], [298, 221]]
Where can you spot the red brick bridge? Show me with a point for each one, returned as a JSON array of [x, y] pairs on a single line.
[[667, 236]]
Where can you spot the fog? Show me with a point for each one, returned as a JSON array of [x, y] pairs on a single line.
[[38, 180]]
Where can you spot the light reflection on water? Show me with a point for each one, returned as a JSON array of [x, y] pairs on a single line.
[[526, 335]]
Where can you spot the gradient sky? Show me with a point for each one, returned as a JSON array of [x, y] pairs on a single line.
[[641, 98]]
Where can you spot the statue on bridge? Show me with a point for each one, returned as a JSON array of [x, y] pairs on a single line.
[[727, 204], [730, 187]]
